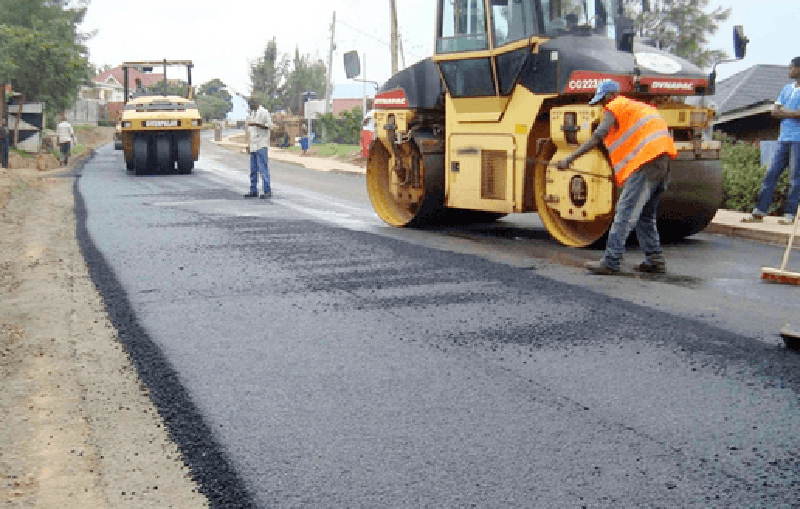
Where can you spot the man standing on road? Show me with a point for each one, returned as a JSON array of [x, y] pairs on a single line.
[[66, 136], [786, 108], [258, 127], [640, 149]]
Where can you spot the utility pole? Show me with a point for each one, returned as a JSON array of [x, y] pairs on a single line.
[[394, 37], [330, 66], [402, 53]]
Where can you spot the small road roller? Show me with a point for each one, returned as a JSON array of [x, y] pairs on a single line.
[[157, 131]]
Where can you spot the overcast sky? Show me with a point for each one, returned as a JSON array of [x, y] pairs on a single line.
[[222, 37]]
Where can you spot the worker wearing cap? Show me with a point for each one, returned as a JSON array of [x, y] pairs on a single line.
[[640, 148], [786, 108]]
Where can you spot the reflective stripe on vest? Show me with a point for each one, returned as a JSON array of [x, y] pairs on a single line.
[[640, 136]]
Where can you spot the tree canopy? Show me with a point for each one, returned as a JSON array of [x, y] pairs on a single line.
[[213, 100], [681, 27], [278, 80], [42, 52]]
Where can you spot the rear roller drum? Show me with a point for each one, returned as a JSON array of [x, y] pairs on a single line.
[[693, 196]]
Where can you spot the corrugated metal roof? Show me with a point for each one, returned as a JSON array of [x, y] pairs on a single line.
[[760, 84]]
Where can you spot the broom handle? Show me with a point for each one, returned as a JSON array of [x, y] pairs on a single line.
[[791, 240]]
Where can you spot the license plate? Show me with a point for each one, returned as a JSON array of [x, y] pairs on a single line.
[[161, 123]]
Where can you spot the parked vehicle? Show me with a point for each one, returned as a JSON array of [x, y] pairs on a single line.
[[367, 132]]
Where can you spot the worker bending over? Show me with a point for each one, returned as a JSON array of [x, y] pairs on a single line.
[[640, 148]]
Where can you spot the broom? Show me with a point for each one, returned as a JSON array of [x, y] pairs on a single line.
[[782, 275]]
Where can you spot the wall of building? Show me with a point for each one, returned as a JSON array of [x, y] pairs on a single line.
[[85, 111]]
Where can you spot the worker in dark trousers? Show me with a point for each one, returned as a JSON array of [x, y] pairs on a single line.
[[5, 142]]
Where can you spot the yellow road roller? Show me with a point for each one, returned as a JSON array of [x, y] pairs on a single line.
[[471, 133], [158, 131]]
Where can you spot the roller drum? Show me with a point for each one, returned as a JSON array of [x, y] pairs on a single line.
[[693, 196]]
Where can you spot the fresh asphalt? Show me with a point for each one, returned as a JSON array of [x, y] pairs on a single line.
[[305, 355]]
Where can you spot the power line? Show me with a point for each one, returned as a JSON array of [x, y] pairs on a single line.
[[366, 34]]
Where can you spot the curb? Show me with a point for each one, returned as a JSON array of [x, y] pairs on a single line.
[[766, 237]]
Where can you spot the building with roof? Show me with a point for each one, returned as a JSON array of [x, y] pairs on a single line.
[[104, 96], [744, 102], [347, 96]]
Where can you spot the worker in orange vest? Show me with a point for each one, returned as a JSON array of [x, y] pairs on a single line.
[[640, 149]]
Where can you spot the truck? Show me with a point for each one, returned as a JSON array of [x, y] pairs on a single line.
[[472, 133], [159, 131]]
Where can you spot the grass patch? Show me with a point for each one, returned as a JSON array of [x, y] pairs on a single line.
[[336, 149], [22, 153]]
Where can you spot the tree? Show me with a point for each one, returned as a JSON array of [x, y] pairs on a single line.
[[278, 80], [42, 53], [306, 76], [679, 26], [213, 100], [267, 76]]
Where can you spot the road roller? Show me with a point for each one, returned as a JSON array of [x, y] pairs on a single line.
[[159, 132], [472, 133]]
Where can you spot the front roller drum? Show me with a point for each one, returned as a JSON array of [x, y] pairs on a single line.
[[569, 232], [398, 204]]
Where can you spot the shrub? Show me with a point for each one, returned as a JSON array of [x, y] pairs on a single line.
[[742, 174], [344, 129]]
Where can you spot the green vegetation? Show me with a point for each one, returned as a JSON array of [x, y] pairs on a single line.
[[42, 53], [742, 174], [331, 149], [213, 100], [681, 27], [343, 129], [278, 81], [22, 153]]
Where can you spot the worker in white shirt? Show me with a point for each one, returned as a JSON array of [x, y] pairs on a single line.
[[66, 137], [258, 127]]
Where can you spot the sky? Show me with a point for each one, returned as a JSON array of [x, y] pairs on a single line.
[[222, 38]]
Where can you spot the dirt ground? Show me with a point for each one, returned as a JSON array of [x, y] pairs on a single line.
[[77, 429]]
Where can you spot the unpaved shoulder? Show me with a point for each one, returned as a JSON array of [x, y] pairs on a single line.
[[78, 427]]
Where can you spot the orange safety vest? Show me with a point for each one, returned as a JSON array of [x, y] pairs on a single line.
[[639, 136]]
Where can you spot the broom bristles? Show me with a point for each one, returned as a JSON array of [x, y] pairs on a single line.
[[780, 276]]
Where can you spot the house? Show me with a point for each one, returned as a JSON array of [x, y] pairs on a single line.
[[744, 102], [104, 96]]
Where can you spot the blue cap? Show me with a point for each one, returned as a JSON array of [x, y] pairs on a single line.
[[604, 88]]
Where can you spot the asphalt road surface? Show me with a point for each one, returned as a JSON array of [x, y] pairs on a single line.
[[304, 354]]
